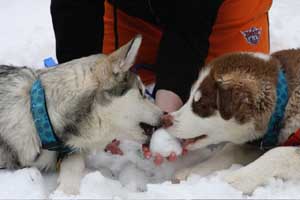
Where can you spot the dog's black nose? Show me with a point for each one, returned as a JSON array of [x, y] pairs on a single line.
[[167, 120]]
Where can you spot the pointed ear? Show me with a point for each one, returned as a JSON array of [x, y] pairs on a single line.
[[124, 57]]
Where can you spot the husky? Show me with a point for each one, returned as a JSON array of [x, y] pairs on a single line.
[[250, 103], [89, 102]]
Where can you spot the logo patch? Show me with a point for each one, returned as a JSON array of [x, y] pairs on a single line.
[[252, 35]]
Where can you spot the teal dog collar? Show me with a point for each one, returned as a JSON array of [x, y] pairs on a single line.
[[270, 138], [42, 122]]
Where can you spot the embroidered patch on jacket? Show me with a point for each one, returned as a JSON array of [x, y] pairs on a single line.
[[252, 35]]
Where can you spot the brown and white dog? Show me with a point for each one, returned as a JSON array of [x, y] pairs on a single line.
[[232, 102]]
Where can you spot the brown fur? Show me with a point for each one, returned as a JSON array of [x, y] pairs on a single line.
[[290, 61], [240, 86], [243, 87], [207, 104], [234, 102]]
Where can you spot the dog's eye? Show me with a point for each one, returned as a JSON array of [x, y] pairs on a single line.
[[141, 91], [123, 91], [203, 105], [119, 90]]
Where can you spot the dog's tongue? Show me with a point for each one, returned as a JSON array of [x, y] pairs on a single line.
[[158, 159]]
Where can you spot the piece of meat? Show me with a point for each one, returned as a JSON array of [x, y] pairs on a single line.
[[114, 148]]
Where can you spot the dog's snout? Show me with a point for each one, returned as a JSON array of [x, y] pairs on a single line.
[[148, 129], [167, 120]]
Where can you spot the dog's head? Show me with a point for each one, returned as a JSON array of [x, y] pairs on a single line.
[[231, 101], [121, 101]]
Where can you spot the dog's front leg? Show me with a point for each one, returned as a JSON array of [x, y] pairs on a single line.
[[282, 162], [223, 159], [71, 172]]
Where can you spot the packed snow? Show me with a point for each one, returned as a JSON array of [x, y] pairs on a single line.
[[26, 38], [164, 143]]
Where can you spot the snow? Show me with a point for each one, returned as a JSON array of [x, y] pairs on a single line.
[[26, 38], [284, 29], [164, 144], [26, 34]]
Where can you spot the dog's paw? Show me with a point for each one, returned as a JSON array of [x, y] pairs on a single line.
[[58, 194], [182, 174], [29, 156], [242, 181], [30, 152], [68, 189]]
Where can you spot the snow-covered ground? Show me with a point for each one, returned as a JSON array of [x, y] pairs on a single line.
[[26, 38]]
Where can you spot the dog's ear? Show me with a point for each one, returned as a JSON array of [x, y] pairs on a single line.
[[124, 57], [233, 100], [224, 100]]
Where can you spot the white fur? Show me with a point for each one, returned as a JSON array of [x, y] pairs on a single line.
[[197, 96], [259, 55], [187, 124], [202, 75], [120, 119], [81, 113], [71, 172], [281, 162], [223, 159]]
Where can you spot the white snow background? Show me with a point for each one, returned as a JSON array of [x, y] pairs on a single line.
[[26, 38]]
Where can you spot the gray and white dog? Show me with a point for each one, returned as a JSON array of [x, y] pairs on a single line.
[[90, 101]]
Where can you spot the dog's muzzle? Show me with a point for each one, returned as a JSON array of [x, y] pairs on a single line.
[[148, 129], [167, 120]]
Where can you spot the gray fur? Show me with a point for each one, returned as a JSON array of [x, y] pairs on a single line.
[[126, 81], [84, 102], [90, 102], [9, 158]]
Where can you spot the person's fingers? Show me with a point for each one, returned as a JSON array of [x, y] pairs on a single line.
[[145, 147], [167, 100], [172, 157], [147, 154], [158, 159]]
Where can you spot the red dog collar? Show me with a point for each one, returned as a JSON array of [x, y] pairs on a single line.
[[293, 140]]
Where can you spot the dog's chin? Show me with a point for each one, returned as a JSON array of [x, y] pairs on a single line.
[[194, 143], [136, 136], [148, 129]]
